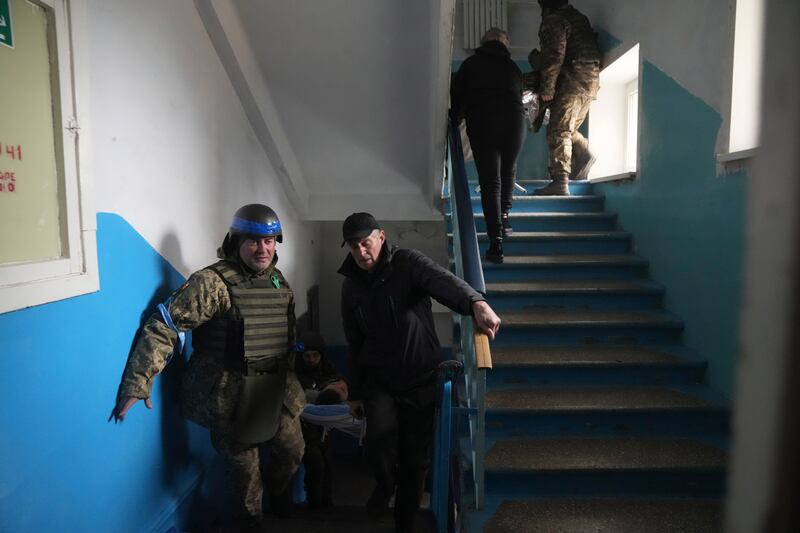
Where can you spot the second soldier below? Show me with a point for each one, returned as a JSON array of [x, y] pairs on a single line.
[[323, 385], [240, 381]]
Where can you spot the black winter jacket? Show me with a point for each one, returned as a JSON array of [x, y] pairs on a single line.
[[388, 321], [488, 82]]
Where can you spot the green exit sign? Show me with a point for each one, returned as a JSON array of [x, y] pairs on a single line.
[[6, 33]]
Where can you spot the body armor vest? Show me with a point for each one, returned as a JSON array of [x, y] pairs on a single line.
[[254, 336], [251, 340]]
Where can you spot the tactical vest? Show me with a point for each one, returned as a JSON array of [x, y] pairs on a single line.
[[252, 340], [254, 335]]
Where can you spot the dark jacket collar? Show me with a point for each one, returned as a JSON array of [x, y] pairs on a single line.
[[493, 48]]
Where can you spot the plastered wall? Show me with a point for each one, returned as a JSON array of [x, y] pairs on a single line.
[[173, 155]]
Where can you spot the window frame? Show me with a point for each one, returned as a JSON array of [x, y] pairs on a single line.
[[29, 283]]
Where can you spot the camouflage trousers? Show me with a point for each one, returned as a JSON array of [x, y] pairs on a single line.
[[576, 89], [243, 462]]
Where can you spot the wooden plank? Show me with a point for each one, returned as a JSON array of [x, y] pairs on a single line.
[[483, 355]]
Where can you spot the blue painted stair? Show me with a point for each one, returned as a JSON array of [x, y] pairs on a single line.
[[597, 418]]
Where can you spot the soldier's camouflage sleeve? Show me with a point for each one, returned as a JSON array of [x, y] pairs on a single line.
[[553, 35], [193, 304]]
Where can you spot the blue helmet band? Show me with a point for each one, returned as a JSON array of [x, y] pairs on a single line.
[[241, 225]]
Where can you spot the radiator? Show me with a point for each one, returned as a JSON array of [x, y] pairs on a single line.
[[479, 16]]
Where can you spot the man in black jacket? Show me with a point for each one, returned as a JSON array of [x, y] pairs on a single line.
[[394, 352]]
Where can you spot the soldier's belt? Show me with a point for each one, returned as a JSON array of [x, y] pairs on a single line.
[[270, 365]]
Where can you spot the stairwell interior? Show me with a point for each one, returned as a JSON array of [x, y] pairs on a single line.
[[597, 418]]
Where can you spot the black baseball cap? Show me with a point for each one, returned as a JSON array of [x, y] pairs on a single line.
[[358, 226]]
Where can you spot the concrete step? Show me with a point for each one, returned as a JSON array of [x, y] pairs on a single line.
[[541, 204], [561, 242], [552, 221], [622, 515], [558, 221], [675, 410], [566, 267], [555, 326], [575, 187], [593, 365], [594, 294], [606, 466]]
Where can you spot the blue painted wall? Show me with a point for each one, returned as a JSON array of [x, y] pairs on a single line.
[[686, 220], [63, 467]]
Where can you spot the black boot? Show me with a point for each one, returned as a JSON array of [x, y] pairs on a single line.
[[507, 229], [495, 251], [559, 187]]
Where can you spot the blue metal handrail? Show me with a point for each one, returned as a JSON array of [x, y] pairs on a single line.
[[463, 221], [471, 447]]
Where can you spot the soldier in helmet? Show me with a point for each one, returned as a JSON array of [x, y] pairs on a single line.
[[240, 381], [570, 71]]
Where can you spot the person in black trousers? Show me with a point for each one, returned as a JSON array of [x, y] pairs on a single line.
[[393, 356], [487, 91]]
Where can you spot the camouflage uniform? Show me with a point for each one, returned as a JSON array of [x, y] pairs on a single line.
[[570, 69], [203, 298]]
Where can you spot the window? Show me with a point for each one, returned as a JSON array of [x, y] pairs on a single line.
[[614, 119], [632, 125], [47, 225], [746, 85]]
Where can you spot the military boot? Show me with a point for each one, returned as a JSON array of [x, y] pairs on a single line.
[[558, 187], [584, 159], [495, 251]]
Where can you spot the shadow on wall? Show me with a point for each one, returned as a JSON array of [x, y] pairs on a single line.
[[174, 434]]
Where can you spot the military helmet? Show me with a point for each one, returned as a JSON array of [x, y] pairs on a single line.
[[552, 4], [257, 220], [251, 220]]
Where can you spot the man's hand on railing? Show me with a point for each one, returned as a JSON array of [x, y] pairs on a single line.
[[485, 319]]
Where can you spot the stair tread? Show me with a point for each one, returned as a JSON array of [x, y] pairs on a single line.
[[606, 515], [571, 198], [551, 214], [567, 259], [553, 235], [579, 286], [583, 355], [558, 454], [549, 317], [584, 398]]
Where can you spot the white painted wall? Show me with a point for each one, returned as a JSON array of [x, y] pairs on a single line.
[[353, 83], [425, 236], [691, 41], [174, 152]]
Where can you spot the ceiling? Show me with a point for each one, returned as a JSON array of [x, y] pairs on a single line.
[[348, 97]]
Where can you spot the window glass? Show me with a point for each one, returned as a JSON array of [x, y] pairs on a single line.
[[30, 184]]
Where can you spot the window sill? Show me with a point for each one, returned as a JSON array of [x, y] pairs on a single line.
[[614, 177], [737, 156]]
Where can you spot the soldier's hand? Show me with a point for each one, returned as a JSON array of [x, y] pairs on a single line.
[[357, 409], [125, 403], [485, 319], [545, 97]]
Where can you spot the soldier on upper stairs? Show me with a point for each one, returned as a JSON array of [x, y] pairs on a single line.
[[570, 71]]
